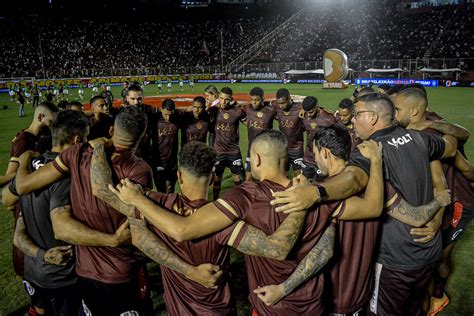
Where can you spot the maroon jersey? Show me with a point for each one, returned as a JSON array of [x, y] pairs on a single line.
[[104, 264], [351, 267], [227, 130], [22, 142], [183, 296], [165, 141], [291, 125], [195, 129], [259, 121], [251, 202], [311, 126]]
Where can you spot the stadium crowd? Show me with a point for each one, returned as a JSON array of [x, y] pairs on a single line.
[[370, 30], [357, 232]]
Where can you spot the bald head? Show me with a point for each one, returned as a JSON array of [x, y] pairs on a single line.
[[410, 106]]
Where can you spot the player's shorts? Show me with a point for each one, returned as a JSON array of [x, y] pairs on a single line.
[[233, 162], [64, 300], [66, 91], [11, 93], [459, 218], [295, 159], [169, 85], [400, 291], [165, 172], [100, 298], [27, 95], [81, 91], [107, 88], [95, 89], [55, 92]]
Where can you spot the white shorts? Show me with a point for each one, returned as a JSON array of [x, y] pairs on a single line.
[[66, 91], [81, 91], [27, 95], [169, 85], [55, 92], [11, 93], [95, 89], [108, 88], [180, 84]]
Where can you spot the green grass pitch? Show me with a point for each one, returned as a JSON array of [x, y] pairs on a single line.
[[455, 104]]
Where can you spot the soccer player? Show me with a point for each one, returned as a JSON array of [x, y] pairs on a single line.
[[402, 277], [212, 96], [107, 275], [259, 118], [411, 104], [80, 91], [101, 122], [290, 123], [169, 85], [108, 96], [226, 144], [50, 277], [314, 118], [164, 151], [21, 101], [95, 87], [181, 83], [191, 83], [344, 117], [160, 85], [124, 91], [197, 123]]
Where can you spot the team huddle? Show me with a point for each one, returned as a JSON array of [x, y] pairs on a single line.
[[381, 192]]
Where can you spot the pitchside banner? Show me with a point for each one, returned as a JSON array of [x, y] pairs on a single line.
[[392, 81]]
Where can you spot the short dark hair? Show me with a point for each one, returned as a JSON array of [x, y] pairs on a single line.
[[257, 91], [133, 121], [418, 86], [395, 89], [200, 100], [211, 89], [67, 124], [227, 90], [168, 105], [276, 140], [73, 103], [96, 98], [283, 93], [336, 139], [310, 103], [134, 87], [414, 92], [346, 104], [197, 158]]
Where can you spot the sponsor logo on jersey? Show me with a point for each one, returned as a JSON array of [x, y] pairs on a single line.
[[400, 141]]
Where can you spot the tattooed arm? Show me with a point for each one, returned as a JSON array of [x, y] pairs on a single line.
[[275, 246], [57, 255], [69, 229], [101, 177], [205, 274], [445, 128], [418, 216], [308, 267]]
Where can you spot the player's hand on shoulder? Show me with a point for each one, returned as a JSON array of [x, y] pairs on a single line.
[[101, 141], [127, 191]]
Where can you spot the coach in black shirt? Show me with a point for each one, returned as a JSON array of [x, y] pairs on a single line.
[[405, 266]]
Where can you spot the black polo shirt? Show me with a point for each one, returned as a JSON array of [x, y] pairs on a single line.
[[406, 160], [36, 208]]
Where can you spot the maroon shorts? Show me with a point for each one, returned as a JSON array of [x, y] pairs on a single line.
[[400, 292]]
